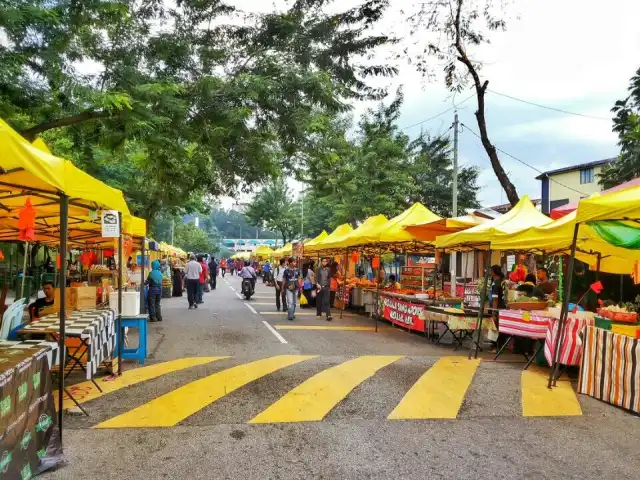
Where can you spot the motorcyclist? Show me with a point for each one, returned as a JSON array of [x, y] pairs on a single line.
[[248, 272]]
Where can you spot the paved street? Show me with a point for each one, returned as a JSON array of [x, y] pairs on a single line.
[[233, 390]]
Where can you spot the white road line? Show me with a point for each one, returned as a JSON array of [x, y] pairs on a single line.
[[239, 296], [273, 330], [253, 310]]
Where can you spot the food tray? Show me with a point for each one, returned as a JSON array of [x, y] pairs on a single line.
[[527, 306], [622, 317]]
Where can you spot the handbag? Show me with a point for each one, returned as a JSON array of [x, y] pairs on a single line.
[[307, 285]]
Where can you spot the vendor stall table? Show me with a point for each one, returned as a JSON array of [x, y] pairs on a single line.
[[27, 413], [95, 329], [571, 346], [460, 323], [609, 369]]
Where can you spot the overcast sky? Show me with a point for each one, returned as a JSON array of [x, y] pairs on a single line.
[[565, 54]]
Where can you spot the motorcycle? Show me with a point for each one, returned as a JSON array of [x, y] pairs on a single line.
[[247, 288]]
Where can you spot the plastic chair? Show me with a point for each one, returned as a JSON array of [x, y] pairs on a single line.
[[12, 319], [139, 353]]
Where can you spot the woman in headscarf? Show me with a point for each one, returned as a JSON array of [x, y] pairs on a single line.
[[154, 281]]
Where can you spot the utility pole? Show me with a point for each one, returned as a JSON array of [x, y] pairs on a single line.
[[454, 202], [302, 216]]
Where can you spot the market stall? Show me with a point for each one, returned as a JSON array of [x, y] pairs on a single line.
[[39, 188], [480, 237], [609, 362]]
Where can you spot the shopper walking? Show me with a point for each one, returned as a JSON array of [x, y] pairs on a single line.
[[154, 281], [223, 267], [309, 284], [292, 285], [213, 273], [192, 272], [323, 285], [278, 273], [204, 278]]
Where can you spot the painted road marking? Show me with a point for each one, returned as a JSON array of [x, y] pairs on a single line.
[[272, 330], [253, 310], [329, 327], [177, 405], [310, 314], [439, 392], [313, 399], [85, 391], [262, 303], [539, 401]]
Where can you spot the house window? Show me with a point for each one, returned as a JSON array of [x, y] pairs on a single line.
[[586, 176]]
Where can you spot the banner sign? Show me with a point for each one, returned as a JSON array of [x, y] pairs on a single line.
[[405, 314], [421, 261], [110, 224], [27, 414]]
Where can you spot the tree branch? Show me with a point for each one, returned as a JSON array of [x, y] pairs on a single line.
[[30, 133], [481, 89]]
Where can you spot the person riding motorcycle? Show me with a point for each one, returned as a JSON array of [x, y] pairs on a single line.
[[248, 272]]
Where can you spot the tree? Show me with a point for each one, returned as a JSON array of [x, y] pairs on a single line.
[[461, 25], [182, 101], [193, 239], [274, 207], [432, 171], [626, 124]]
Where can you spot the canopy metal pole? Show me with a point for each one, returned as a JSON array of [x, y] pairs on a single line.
[[555, 366], [120, 286], [598, 266], [143, 305], [377, 291], [346, 272], [24, 268], [64, 219], [483, 299]]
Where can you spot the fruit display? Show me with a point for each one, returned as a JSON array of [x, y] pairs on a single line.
[[618, 314], [99, 269]]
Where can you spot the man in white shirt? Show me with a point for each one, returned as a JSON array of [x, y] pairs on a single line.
[[192, 272]]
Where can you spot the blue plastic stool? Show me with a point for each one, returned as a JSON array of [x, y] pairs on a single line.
[[140, 353]]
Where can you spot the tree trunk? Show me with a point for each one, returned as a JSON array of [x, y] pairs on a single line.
[[481, 88]]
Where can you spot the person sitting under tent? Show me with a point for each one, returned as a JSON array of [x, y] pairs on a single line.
[[44, 305]]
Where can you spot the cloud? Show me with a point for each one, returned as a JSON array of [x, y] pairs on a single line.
[[564, 128]]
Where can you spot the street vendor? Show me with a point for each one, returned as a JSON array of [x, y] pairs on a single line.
[[393, 283], [544, 284], [519, 271], [44, 305]]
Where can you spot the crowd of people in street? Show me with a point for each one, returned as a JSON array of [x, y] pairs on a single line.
[[318, 285]]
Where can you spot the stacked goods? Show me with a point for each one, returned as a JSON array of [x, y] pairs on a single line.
[[166, 287], [76, 298]]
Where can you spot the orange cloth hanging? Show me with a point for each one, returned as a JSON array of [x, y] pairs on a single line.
[[27, 222], [355, 257], [375, 263]]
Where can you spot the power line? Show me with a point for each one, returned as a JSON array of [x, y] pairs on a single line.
[[440, 114], [547, 107], [526, 164]]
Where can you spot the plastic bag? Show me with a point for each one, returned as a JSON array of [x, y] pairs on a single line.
[[303, 300]]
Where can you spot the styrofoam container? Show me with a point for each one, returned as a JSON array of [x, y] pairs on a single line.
[[130, 303]]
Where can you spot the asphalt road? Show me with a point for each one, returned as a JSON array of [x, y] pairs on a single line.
[[355, 380]]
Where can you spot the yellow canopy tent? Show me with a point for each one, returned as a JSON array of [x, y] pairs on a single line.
[[57, 190], [394, 232], [285, 250], [354, 237], [263, 251], [317, 239], [556, 238], [427, 232], [521, 216], [340, 231], [621, 205]]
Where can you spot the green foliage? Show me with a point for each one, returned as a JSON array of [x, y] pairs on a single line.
[[379, 171], [193, 239], [275, 207], [174, 103], [626, 124]]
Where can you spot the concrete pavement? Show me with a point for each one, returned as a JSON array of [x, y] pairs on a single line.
[[347, 408]]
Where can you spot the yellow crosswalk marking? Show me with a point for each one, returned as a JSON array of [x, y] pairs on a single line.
[[439, 392], [173, 407], [313, 399], [85, 391], [539, 401]]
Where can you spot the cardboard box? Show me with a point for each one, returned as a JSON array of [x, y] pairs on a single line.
[[70, 299], [76, 298]]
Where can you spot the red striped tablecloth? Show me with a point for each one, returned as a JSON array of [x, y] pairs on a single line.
[[571, 348], [609, 369], [523, 324]]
